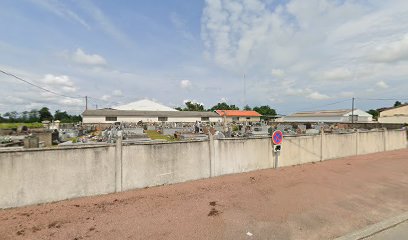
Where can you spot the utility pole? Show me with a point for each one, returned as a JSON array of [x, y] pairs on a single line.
[[86, 102], [352, 110]]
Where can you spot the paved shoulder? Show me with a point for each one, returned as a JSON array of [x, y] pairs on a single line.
[[393, 228]]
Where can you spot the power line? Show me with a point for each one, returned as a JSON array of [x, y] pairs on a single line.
[[39, 87], [329, 104], [383, 99]]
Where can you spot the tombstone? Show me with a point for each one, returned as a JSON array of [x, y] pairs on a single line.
[[31, 142]]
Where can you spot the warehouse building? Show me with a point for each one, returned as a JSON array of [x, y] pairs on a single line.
[[343, 115], [113, 115], [394, 115]]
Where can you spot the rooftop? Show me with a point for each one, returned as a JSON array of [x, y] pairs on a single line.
[[144, 105], [237, 113], [114, 113], [322, 113]]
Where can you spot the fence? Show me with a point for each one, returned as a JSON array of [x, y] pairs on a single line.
[[43, 175]]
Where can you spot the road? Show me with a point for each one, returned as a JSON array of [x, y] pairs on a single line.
[[312, 201]]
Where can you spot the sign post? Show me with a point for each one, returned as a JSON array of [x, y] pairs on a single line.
[[277, 138]]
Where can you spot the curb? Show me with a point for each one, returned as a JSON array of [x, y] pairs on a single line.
[[375, 228]]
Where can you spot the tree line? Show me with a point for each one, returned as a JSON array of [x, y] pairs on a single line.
[[376, 112], [35, 115], [265, 110]]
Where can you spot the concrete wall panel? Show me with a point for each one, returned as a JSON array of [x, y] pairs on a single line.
[[339, 145], [30, 177], [155, 164], [298, 150], [242, 155]]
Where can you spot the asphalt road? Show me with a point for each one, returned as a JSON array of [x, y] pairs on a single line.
[[324, 200]]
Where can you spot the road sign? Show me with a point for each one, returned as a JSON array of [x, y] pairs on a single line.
[[277, 137]]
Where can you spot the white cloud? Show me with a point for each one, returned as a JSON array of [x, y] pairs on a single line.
[[382, 84], [117, 93], [181, 25], [346, 94], [105, 97], [313, 41], [59, 9], [185, 84], [317, 96], [59, 83], [105, 23], [336, 74], [224, 99], [89, 59], [278, 73], [391, 51]]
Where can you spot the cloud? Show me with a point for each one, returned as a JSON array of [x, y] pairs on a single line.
[[105, 97], [59, 83], [181, 25], [317, 44], [382, 84], [59, 9], [185, 84], [391, 51], [224, 99], [105, 23], [336, 74], [278, 73], [79, 56], [317, 96], [117, 93], [346, 94]]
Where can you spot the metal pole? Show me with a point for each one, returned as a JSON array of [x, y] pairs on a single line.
[[352, 110], [86, 102], [276, 159]]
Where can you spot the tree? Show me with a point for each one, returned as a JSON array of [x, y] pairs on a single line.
[[224, 106], [45, 114], [192, 106], [247, 108], [265, 110], [397, 103], [33, 116], [374, 112], [62, 116]]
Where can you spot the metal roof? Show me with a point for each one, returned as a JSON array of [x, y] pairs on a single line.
[[115, 113], [144, 105], [238, 113], [323, 113]]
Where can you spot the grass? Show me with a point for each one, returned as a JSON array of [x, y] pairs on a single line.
[[16, 125], [154, 135]]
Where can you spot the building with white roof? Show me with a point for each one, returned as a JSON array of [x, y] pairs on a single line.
[[144, 105], [342, 115]]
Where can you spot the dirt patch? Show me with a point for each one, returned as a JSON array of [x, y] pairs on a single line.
[[213, 212]]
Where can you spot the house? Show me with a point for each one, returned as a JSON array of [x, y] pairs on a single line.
[[239, 115], [342, 115], [394, 115], [114, 115]]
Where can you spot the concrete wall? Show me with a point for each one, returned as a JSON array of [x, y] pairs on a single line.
[[45, 175], [157, 164], [38, 176], [302, 149], [241, 155]]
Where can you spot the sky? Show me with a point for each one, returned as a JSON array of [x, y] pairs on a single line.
[[293, 55]]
